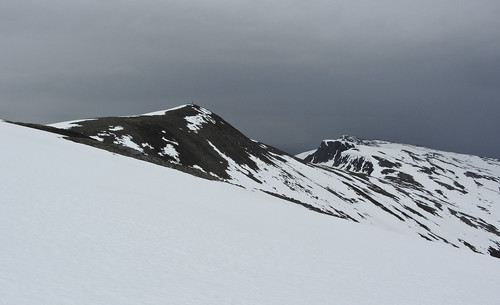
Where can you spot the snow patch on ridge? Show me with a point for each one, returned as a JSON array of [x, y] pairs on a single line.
[[170, 141], [234, 170], [97, 138], [169, 150], [155, 113], [69, 124], [115, 128], [147, 145], [126, 140], [196, 121]]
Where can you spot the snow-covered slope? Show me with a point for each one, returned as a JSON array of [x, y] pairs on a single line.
[[81, 225], [442, 186], [197, 141], [194, 140]]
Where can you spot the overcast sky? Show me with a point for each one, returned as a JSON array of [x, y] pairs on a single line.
[[285, 72]]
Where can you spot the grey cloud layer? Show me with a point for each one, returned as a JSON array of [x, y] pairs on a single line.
[[289, 73]]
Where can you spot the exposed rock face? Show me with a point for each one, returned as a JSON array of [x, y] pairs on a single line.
[[331, 152], [188, 136], [328, 150]]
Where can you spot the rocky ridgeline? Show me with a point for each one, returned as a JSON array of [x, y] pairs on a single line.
[[442, 197]]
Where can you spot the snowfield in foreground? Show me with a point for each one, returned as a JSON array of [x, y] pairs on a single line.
[[79, 225]]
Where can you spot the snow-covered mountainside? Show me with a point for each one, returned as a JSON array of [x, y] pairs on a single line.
[[441, 186], [80, 225], [189, 138], [194, 140]]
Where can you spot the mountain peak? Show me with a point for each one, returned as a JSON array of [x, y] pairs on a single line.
[[189, 137], [349, 138], [452, 187], [163, 112], [409, 189]]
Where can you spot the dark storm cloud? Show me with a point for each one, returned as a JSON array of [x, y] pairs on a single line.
[[289, 73]]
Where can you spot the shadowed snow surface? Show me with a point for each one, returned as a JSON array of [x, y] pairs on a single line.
[[81, 225]]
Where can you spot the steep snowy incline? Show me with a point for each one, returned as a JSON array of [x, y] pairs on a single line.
[[83, 226], [194, 140], [442, 185]]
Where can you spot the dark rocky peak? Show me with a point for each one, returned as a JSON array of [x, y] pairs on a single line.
[[328, 150], [332, 153], [188, 137], [357, 141], [350, 139]]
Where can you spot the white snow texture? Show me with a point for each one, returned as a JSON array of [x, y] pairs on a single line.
[[79, 225]]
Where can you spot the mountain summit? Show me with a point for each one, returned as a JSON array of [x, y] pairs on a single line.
[[441, 197], [444, 186], [188, 137]]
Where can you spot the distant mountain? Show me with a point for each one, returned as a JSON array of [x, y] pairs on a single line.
[[444, 186], [453, 201]]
